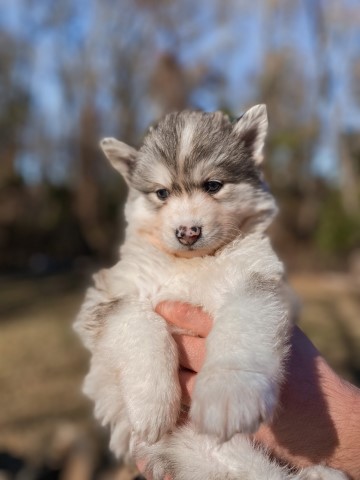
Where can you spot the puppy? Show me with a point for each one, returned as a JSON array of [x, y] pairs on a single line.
[[197, 216]]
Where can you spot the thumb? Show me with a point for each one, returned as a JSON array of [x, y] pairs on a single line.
[[186, 316]]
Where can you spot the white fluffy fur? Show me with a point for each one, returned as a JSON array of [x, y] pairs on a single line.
[[133, 377]]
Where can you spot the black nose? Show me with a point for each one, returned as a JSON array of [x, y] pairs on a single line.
[[188, 235]]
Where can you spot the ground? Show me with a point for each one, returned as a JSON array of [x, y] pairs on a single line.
[[42, 409]]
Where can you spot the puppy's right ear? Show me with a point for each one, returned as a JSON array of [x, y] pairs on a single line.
[[122, 157]]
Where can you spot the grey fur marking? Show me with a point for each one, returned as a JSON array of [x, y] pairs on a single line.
[[215, 147]]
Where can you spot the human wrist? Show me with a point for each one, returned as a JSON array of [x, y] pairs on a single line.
[[344, 408], [321, 427]]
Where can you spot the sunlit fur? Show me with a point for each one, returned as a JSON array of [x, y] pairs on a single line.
[[231, 271], [183, 152]]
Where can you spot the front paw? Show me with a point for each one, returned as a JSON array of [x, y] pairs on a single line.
[[228, 401], [153, 457], [154, 412], [318, 472]]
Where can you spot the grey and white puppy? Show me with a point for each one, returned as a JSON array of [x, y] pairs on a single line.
[[197, 215]]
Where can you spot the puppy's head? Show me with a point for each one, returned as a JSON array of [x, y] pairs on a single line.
[[195, 184]]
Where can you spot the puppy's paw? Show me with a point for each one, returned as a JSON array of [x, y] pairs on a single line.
[[319, 472], [228, 401], [154, 413], [151, 457]]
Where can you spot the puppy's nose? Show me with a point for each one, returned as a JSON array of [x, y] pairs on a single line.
[[188, 235]]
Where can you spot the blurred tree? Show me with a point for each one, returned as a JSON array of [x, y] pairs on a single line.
[[14, 104], [82, 70], [349, 151], [169, 84], [328, 20]]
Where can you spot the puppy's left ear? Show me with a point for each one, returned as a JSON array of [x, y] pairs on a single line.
[[121, 156], [251, 130]]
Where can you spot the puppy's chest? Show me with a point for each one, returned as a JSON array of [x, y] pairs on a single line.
[[200, 281], [196, 281]]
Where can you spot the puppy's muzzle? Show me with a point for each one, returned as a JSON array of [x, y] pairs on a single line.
[[188, 235]]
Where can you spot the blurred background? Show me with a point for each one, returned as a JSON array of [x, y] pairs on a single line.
[[72, 72]]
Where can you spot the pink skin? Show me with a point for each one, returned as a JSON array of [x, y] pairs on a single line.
[[188, 235], [318, 420]]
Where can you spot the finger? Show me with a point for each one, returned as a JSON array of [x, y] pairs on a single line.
[[191, 351], [186, 316], [187, 381], [141, 465]]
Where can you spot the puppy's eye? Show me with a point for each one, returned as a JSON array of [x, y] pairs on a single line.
[[212, 186], [162, 193]]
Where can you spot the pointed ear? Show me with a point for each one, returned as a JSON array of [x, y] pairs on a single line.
[[251, 128], [122, 157]]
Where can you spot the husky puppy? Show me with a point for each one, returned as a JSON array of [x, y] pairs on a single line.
[[197, 216]]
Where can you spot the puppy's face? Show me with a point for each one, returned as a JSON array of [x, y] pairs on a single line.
[[195, 184]]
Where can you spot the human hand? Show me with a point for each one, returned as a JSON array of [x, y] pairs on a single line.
[[312, 424]]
